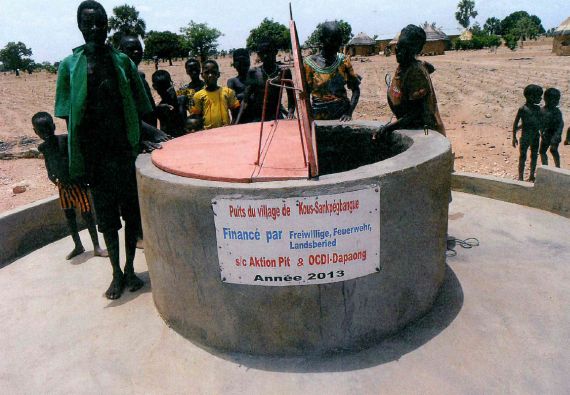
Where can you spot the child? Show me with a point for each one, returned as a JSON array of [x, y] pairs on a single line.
[[71, 194], [529, 114], [411, 95], [254, 94], [241, 63], [213, 103], [551, 126], [101, 96], [172, 109], [132, 47], [192, 67]]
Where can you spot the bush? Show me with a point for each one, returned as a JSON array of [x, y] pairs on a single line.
[[511, 41], [477, 42]]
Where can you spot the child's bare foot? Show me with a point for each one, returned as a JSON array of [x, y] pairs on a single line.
[[132, 282], [76, 251], [140, 244], [98, 251], [116, 288]]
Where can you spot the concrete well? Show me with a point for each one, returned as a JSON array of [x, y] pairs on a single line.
[[190, 289]]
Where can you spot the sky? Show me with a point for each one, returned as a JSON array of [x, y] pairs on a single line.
[[49, 28]]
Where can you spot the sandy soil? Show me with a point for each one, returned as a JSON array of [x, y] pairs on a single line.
[[479, 93]]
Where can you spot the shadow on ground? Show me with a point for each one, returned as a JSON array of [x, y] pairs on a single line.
[[84, 257], [127, 296], [446, 307]]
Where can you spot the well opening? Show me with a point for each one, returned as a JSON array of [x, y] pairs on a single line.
[[346, 147]]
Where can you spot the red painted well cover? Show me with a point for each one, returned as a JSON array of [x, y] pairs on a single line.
[[229, 153]]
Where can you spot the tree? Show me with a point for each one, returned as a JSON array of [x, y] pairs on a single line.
[[269, 30], [315, 37], [510, 41], [465, 11], [125, 22], [47, 66], [164, 45], [492, 26], [476, 29], [16, 56], [200, 40], [525, 29], [511, 21]]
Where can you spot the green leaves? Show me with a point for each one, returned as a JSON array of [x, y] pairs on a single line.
[[15, 55], [200, 40], [164, 45], [315, 37], [465, 11], [125, 22], [269, 30]]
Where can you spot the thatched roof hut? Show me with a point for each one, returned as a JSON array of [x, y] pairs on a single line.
[[361, 45], [561, 42], [436, 41]]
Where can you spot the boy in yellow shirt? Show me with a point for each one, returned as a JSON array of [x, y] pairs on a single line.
[[213, 103]]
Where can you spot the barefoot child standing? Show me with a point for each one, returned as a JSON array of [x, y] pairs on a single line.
[[552, 126], [72, 195], [529, 115]]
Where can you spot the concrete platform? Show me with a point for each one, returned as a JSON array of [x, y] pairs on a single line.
[[500, 325]]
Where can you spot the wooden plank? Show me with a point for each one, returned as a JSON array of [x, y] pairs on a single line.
[[303, 102]]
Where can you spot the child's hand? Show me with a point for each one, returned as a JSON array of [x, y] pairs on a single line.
[[164, 107], [149, 146], [515, 142]]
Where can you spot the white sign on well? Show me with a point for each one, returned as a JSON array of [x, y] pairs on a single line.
[[300, 240]]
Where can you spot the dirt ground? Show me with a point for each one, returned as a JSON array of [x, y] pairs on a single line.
[[479, 93]]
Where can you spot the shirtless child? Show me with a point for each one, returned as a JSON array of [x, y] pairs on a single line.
[[529, 115], [72, 194], [551, 126]]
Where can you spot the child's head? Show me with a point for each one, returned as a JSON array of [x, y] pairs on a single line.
[[92, 22], [410, 43], [43, 125], [552, 97], [132, 47], [241, 61], [533, 93], [192, 125], [162, 83], [210, 73], [267, 50], [192, 67]]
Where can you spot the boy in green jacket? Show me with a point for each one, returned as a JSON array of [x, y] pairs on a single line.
[[102, 98]]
